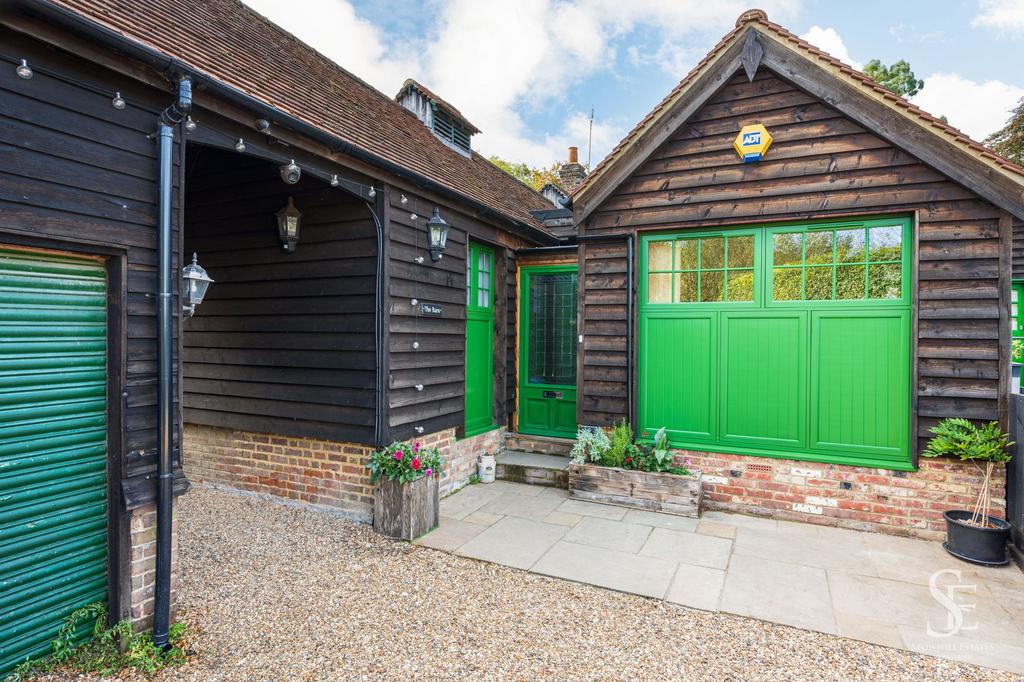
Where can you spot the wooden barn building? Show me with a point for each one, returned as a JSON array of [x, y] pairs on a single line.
[[799, 315], [125, 124], [797, 322]]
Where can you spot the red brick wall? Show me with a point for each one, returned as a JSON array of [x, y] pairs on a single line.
[[879, 500], [143, 567], [313, 471]]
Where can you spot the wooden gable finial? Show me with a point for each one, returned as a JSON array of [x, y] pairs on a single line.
[[751, 55]]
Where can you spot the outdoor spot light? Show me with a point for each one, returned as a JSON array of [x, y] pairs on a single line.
[[190, 125], [438, 229], [288, 222], [196, 284], [335, 181], [240, 146], [405, 199], [372, 193], [118, 101], [23, 70], [290, 172]]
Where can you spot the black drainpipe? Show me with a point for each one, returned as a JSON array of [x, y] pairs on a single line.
[[629, 238], [168, 120]]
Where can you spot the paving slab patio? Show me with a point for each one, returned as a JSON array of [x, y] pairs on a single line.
[[875, 588]]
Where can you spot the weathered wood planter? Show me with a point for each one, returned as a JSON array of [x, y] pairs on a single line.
[[405, 511], [653, 491]]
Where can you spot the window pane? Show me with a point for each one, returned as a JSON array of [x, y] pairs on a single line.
[[850, 246], [819, 247], [787, 247], [483, 280], [884, 243], [659, 288], [819, 282], [850, 282], [686, 285], [686, 254], [659, 255], [712, 286], [884, 281], [483, 298], [786, 284], [483, 262], [712, 252], [741, 283], [469, 281], [741, 252]]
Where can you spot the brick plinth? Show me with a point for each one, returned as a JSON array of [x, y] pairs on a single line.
[[143, 566], [879, 500], [312, 471]]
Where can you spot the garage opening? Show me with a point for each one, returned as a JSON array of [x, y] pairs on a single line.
[[783, 341], [53, 455]]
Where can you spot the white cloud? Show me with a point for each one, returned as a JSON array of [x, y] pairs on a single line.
[[978, 109], [828, 39], [495, 60], [1002, 16]]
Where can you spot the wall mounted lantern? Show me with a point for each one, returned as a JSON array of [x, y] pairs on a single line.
[[289, 220], [438, 230], [196, 284]]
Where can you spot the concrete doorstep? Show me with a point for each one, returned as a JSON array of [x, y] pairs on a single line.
[[897, 592]]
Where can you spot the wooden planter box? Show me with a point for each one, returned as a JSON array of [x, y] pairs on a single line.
[[653, 491], [405, 511]]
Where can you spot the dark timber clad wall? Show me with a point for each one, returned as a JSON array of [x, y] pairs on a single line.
[[820, 163], [284, 343], [77, 173], [439, 363], [1018, 248]]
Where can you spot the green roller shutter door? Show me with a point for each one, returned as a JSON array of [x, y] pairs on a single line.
[[53, 453], [785, 341]]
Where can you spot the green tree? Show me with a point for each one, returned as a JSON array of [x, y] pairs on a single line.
[[897, 78], [526, 174], [1009, 142]]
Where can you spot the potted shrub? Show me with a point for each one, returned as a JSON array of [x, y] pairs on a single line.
[[405, 499], [974, 535], [616, 469]]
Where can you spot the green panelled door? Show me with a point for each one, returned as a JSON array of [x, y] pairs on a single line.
[[53, 450], [785, 341], [479, 339], [547, 350]]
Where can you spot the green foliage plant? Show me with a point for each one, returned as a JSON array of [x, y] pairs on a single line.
[[404, 462], [591, 445], [897, 78], [983, 446], [108, 652], [620, 439], [1009, 140]]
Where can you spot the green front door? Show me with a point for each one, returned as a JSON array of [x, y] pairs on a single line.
[[547, 350], [479, 339], [785, 341], [53, 453]]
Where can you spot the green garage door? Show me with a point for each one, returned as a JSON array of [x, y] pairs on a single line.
[[53, 463], [787, 341]]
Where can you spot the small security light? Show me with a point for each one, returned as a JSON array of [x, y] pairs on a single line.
[[190, 125], [438, 230], [240, 146], [290, 172], [372, 193], [289, 220], [196, 284], [24, 70], [118, 102]]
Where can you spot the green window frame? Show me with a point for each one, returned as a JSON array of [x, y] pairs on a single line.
[[854, 297], [705, 268], [1016, 318]]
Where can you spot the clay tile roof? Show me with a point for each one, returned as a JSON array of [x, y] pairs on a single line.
[[441, 104], [759, 17], [231, 43]]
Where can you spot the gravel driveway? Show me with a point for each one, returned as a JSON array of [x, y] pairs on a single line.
[[279, 593]]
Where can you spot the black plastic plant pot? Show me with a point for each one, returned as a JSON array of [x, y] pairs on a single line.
[[985, 546]]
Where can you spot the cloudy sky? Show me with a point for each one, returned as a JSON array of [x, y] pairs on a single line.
[[528, 72]]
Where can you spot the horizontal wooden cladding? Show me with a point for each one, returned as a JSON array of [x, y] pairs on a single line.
[[1018, 248], [820, 164], [284, 342]]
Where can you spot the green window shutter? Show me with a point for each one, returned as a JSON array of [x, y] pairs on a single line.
[[786, 341], [53, 454]]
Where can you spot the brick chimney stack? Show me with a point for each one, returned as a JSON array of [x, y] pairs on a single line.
[[571, 173]]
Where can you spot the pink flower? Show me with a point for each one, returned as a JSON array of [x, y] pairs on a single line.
[[398, 455], [416, 463], [416, 447], [429, 472]]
